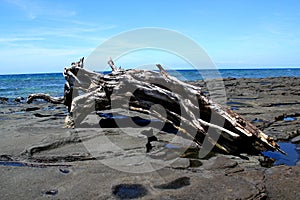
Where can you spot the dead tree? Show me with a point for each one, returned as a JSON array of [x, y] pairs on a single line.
[[46, 97], [186, 109]]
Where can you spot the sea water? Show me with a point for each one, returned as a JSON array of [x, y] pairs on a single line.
[[21, 85]]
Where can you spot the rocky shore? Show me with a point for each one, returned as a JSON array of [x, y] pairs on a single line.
[[40, 159]]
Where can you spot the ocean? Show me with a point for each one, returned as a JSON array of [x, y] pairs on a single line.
[[21, 85]]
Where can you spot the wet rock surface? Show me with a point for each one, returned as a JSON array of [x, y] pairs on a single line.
[[278, 182], [272, 104], [40, 159]]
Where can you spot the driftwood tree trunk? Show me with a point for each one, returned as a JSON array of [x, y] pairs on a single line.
[[186, 108], [182, 105]]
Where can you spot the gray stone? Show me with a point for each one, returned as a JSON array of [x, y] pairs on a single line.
[[282, 182], [195, 163], [223, 162], [296, 139], [180, 163], [219, 177], [242, 185]]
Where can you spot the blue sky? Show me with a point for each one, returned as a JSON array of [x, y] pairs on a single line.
[[47, 35]]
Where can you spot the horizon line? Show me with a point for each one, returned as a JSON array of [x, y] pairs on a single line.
[[179, 69]]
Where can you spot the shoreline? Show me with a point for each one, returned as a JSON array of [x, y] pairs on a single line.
[[52, 82], [269, 103], [275, 98], [34, 134]]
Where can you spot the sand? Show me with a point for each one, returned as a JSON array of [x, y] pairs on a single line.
[[40, 159]]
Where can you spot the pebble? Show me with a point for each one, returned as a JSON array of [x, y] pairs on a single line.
[[19, 99], [65, 171], [51, 192]]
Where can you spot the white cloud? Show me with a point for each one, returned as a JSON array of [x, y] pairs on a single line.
[[20, 39], [34, 9]]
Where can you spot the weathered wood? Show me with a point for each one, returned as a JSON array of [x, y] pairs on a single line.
[[188, 110], [185, 106], [45, 97], [112, 65]]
